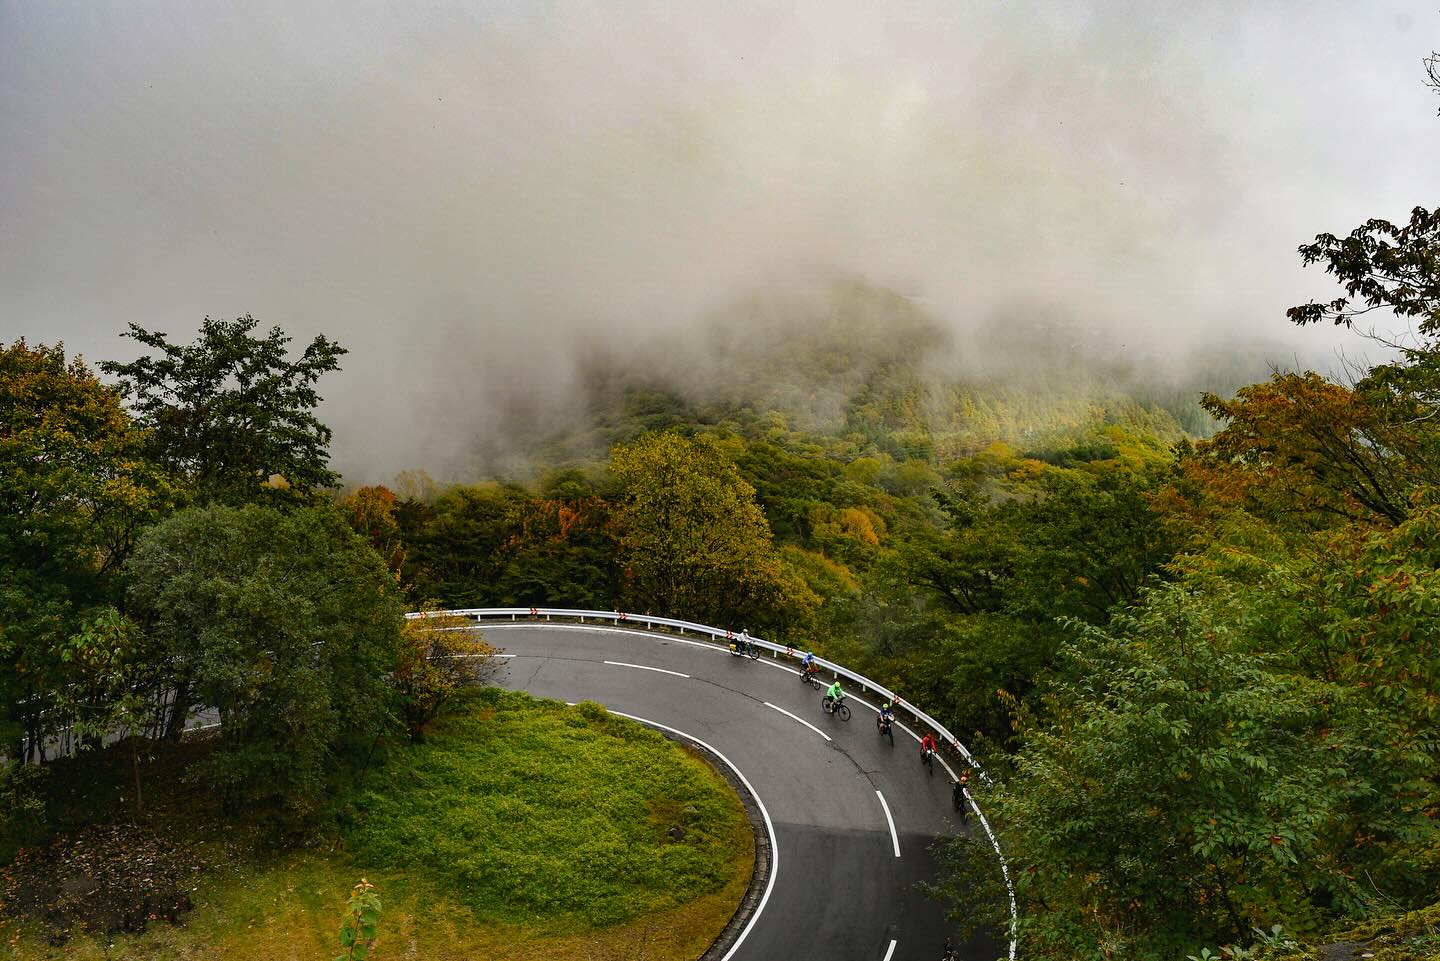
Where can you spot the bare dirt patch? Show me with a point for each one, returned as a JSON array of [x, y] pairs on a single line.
[[104, 879]]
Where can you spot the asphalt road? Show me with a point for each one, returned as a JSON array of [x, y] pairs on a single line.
[[840, 892]]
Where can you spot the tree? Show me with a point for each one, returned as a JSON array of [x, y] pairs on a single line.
[[1382, 267], [439, 653], [110, 687], [1046, 542], [370, 512], [230, 412], [75, 488], [967, 564], [693, 541], [562, 553], [1432, 72], [1301, 448], [1089, 541], [1183, 790], [288, 625], [461, 546]]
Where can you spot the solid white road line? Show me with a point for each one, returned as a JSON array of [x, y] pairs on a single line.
[[889, 951], [642, 667], [769, 827], [894, 838], [800, 719]]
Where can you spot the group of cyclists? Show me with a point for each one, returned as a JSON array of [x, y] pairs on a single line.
[[835, 696], [834, 699]]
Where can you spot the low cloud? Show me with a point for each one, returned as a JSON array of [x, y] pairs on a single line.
[[480, 200]]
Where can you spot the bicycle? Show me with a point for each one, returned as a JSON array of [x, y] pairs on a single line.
[[928, 759], [813, 679], [748, 649], [885, 727], [841, 710]]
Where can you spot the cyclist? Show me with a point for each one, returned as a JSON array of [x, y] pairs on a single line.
[[958, 795], [741, 645], [808, 665], [883, 721], [927, 747], [835, 695]]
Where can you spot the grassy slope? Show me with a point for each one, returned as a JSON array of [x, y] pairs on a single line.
[[521, 830]]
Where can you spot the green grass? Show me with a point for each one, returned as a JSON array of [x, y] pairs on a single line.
[[525, 808], [521, 830]]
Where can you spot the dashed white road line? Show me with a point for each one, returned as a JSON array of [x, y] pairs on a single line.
[[894, 838], [644, 667], [889, 951], [667, 639], [800, 719], [769, 827], [662, 638]]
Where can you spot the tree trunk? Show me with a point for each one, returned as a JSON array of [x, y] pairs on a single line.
[[179, 711], [135, 765]]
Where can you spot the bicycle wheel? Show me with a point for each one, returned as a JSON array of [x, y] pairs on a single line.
[[929, 760], [753, 650], [890, 733], [826, 705], [844, 711]]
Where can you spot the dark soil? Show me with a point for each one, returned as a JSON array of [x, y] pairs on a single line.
[[103, 878], [122, 875]]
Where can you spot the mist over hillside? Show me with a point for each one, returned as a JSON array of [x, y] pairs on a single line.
[[483, 200], [850, 358]]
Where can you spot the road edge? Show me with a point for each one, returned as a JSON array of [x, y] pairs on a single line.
[[760, 873]]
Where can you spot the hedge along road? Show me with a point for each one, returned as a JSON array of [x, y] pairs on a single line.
[[852, 817]]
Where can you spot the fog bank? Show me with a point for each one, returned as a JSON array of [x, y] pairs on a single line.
[[472, 196]]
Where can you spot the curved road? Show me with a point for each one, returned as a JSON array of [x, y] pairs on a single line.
[[831, 789]]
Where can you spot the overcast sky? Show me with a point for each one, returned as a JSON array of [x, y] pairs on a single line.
[[453, 190]]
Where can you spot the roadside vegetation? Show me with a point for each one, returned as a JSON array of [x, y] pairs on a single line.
[[519, 830]]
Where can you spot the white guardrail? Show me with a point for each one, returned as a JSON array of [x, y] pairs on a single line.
[[656, 624]]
